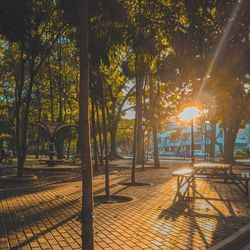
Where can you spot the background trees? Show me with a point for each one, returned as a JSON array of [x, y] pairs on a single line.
[[149, 55], [146, 54]]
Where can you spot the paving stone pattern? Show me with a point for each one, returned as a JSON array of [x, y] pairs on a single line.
[[45, 218]]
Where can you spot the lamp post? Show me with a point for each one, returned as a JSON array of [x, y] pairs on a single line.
[[189, 114], [143, 150]]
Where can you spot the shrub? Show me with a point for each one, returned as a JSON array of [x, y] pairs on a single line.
[[248, 152], [241, 154]]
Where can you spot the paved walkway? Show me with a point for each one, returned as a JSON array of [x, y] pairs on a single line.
[[41, 218]]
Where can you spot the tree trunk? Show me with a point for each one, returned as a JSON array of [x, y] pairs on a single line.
[[139, 91], [19, 90], [229, 140], [134, 152], [156, 154], [100, 136], [60, 85], [87, 215], [59, 145], [38, 141], [94, 136], [113, 132], [60, 139], [37, 145], [69, 144], [213, 141], [51, 95], [105, 140], [25, 120]]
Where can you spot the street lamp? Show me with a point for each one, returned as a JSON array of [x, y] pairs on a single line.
[[189, 114], [143, 126]]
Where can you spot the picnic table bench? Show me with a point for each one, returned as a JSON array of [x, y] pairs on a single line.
[[186, 177]]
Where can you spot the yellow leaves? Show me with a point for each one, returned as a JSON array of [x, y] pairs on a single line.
[[213, 12], [183, 20], [1, 49]]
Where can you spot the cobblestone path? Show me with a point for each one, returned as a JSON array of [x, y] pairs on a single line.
[[41, 218]]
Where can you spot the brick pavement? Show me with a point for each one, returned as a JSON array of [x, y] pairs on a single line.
[[45, 218]]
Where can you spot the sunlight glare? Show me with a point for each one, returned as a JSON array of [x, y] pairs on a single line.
[[222, 42], [189, 113]]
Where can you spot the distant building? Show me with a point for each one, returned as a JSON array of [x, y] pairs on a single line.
[[176, 140]]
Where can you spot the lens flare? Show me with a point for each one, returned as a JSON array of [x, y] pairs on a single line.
[[221, 43], [189, 114]]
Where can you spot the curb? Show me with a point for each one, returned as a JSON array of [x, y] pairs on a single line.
[[236, 241], [57, 182]]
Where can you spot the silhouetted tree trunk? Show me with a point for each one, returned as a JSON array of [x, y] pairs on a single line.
[[51, 95], [59, 145], [213, 141], [87, 215], [105, 140], [69, 144], [139, 77], [19, 90], [100, 136], [229, 140], [38, 140], [95, 147], [155, 141], [139, 90], [134, 152], [60, 138], [113, 132], [114, 119], [25, 118]]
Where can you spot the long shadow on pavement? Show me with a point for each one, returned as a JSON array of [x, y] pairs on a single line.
[[211, 225]]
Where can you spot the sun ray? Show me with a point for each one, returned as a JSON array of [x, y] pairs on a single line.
[[221, 43]]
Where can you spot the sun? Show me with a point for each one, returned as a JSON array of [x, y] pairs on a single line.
[[189, 113]]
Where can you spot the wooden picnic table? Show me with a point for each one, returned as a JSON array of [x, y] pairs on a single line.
[[208, 170], [212, 165]]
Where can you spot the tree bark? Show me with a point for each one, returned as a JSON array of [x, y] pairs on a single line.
[[59, 145], [134, 152], [213, 141], [113, 121], [60, 84], [95, 147], [19, 89], [229, 140], [24, 124], [100, 136], [69, 144], [105, 140], [113, 132], [87, 215], [139, 92], [51, 93], [155, 139]]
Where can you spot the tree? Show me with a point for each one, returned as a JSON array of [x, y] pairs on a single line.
[[87, 193], [229, 39], [117, 91], [34, 20]]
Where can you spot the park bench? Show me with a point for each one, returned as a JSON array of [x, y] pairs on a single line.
[[186, 178]]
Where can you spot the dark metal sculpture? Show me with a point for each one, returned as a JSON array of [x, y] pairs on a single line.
[[52, 129]]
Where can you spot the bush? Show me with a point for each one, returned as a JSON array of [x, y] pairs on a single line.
[[248, 152], [241, 154]]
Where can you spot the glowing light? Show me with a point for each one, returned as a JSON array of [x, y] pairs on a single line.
[[247, 87], [189, 113]]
